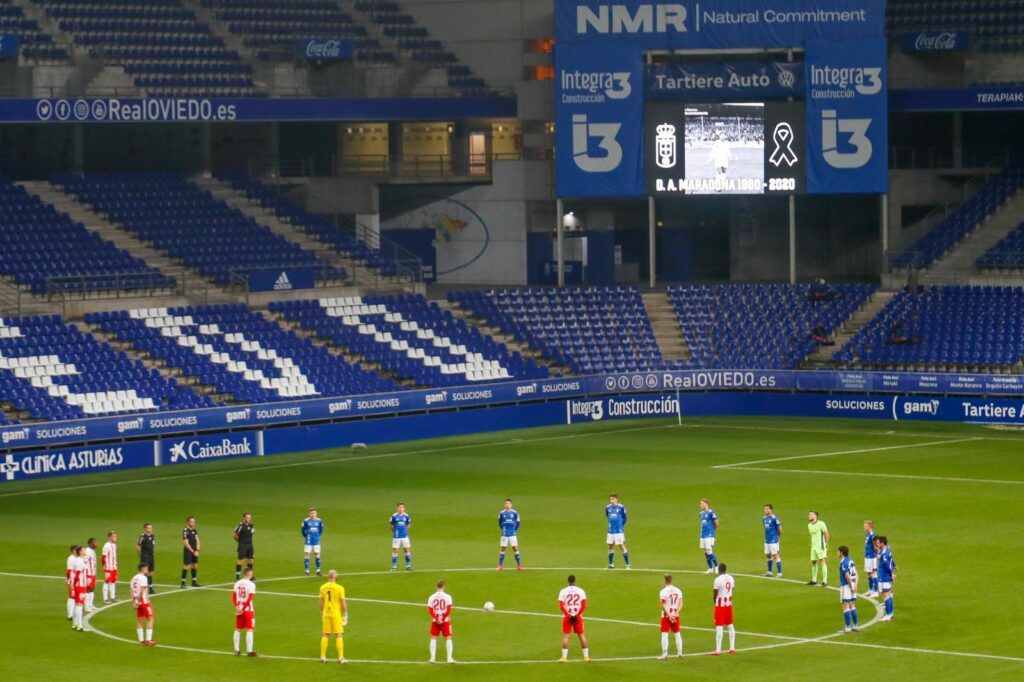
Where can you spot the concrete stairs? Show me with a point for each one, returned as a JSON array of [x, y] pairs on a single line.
[[847, 330], [665, 325], [359, 275], [110, 80], [196, 289], [156, 363], [958, 264], [510, 342], [333, 349]]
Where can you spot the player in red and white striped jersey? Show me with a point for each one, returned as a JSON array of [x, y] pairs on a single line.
[[77, 582], [109, 558], [439, 606], [89, 554], [724, 585], [572, 600], [245, 614], [69, 580], [143, 607]]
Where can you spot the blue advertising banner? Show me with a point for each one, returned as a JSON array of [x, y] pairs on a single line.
[[690, 24], [732, 81], [984, 98], [83, 460], [282, 280], [599, 119], [847, 117], [936, 41], [223, 109], [210, 447], [325, 49], [9, 44]]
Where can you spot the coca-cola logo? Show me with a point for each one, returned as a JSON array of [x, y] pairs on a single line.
[[936, 42], [323, 49]]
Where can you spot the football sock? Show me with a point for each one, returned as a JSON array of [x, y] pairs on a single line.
[[519, 561], [848, 619], [248, 641], [824, 573], [408, 561], [394, 561], [433, 649], [873, 584], [238, 572], [853, 616], [586, 652], [307, 564], [814, 572], [778, 565], [113, 590], [611, 558], [449, 647], [195, 571], [714, 560], [679, 643], [71, 608], [718, 638], [732, 637], [90, 599], [318, 564], [769, 565], [339, 644], [889, 607], [664, 644], [323, 646], [565, 653], [501, 558], [707, 558], [78, 616], [238, 640], [625, 557], [141, 633], [149, 634], [183, 574]]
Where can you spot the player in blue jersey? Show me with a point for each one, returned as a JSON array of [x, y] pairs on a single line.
[[616, 515], [312, 529], [870, 559], [848, 590], [708, 528], [886, 574], [772, 538], [508, 522], [400, 524]]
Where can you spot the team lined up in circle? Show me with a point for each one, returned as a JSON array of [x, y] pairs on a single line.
[[81, 577]]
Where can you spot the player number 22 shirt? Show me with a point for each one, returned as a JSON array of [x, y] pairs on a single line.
[[572, 599]]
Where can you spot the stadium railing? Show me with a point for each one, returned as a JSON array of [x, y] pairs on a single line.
[[913, 158], [419, 166]]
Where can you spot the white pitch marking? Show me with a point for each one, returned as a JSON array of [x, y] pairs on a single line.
[[838, 453], [335, 460], [839, 432], [952, 479]]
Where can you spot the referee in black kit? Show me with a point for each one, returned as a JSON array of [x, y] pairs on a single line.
[[189, 551], [145, 548], [243, 536]]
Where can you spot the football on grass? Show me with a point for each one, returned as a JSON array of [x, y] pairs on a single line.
[[488, 606]]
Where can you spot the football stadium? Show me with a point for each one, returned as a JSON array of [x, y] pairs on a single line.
[[493, 339]]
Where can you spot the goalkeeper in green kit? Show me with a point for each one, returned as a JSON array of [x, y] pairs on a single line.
[[819, 548]]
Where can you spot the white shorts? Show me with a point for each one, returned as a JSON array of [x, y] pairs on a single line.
[[509, 541], [885, 587], [846, 594], [314, 549], [616, 538], [707, 543], [870, 565], [771, 548], [400, 542]]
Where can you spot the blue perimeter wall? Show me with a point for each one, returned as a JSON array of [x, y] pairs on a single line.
[[290, 439]]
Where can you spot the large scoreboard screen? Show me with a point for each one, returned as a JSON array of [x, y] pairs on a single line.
[[724, 148]]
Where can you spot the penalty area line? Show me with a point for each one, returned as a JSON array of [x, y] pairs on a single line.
[[838, 453]]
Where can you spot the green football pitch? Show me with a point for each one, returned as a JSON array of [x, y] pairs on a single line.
[[949, 497]]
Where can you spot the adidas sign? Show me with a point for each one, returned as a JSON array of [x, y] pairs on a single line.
[[283, 283]]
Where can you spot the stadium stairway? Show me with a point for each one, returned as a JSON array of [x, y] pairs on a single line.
[[197, 289], [358, 273], [959, 261], [510, 342], [665, 325], [874, 305]]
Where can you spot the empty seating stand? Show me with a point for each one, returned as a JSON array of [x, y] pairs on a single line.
[[54, 371], [35, 45], [591, 330], [240, 352], [189, 224], [411, 337], [759, 326], [973, 328], [49, 253], [1008, 254], [969, 215], [994, 25], [160, 44]]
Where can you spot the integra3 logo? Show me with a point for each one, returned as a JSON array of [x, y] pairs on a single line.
[[856, 130], [587, 408], [606, 134]]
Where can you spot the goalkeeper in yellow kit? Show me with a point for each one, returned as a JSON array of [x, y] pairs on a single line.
[[334, 611]]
